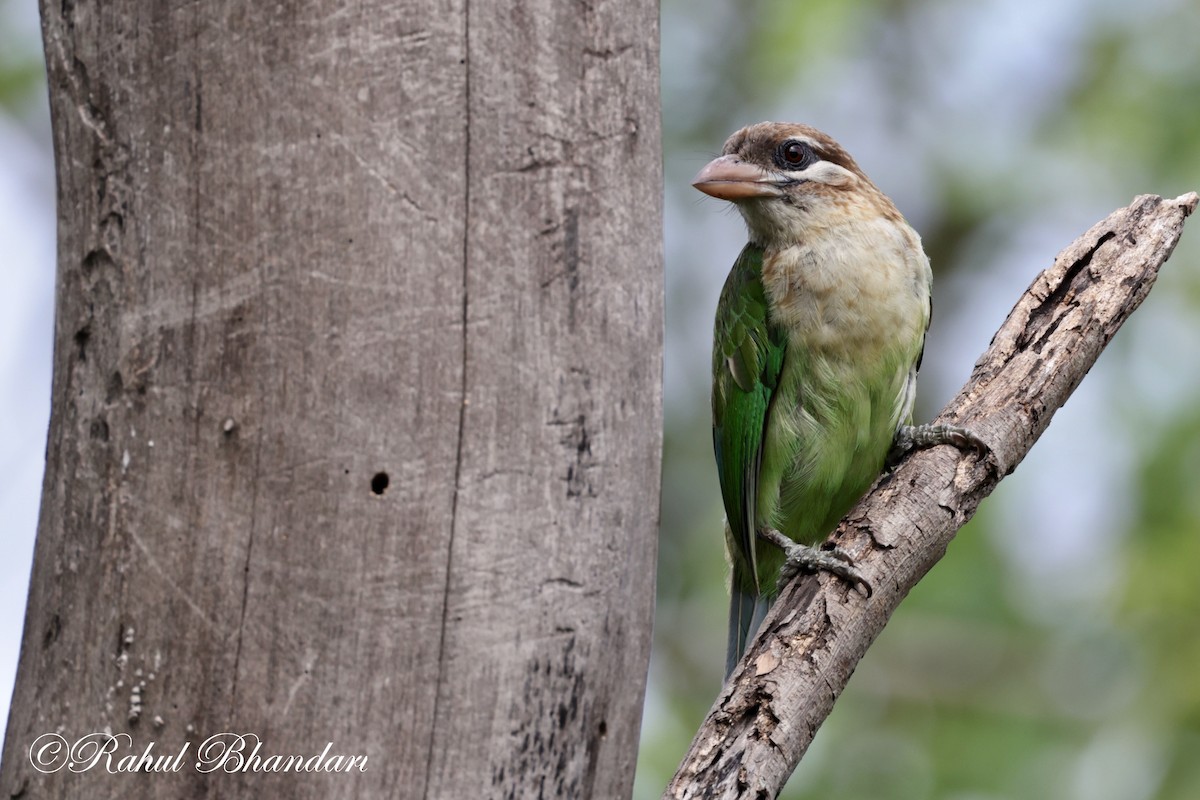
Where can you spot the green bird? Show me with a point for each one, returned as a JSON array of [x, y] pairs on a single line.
[[818, 336]]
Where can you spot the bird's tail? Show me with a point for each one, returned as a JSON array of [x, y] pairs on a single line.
[[746, 612]]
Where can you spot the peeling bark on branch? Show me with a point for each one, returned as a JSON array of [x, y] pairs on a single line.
[[819, 628]]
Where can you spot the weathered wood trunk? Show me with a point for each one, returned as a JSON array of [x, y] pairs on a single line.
[[356, 412]]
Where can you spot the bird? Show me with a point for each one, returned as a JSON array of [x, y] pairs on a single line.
[[819, 332]]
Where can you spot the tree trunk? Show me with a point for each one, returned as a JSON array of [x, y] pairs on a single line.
[[356, 410]]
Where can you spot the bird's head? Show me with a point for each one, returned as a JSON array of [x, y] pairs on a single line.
[[789, 181]]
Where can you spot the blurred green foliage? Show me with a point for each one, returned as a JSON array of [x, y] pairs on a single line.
[[1055, 651], [21, 71], [18, 80]]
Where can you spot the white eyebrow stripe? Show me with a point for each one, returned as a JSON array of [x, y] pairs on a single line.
[[826, 172]]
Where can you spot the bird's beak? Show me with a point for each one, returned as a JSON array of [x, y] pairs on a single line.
[[730, 178]]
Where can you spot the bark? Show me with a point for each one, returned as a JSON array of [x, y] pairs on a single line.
[[356, 420], [819, 628]]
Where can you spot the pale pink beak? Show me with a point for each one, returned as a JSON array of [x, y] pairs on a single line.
[[730, 178]]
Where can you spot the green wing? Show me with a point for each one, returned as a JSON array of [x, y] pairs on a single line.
[[747, 359]]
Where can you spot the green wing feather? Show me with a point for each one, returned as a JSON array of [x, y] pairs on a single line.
[[748, 356]]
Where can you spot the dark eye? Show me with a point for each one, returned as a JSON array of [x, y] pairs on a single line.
[[794, 155]]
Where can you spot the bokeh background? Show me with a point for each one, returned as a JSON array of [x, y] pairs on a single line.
[[1055, 651]]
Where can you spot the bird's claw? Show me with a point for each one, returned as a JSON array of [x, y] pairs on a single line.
[[920, 437], [802, 558]]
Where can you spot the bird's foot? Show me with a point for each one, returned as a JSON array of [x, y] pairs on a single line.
[[920, 437], [802, 558]]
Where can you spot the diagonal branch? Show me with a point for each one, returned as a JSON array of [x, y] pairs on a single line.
[[819, 629]]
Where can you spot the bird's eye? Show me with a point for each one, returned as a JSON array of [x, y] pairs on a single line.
[[794, 155]]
